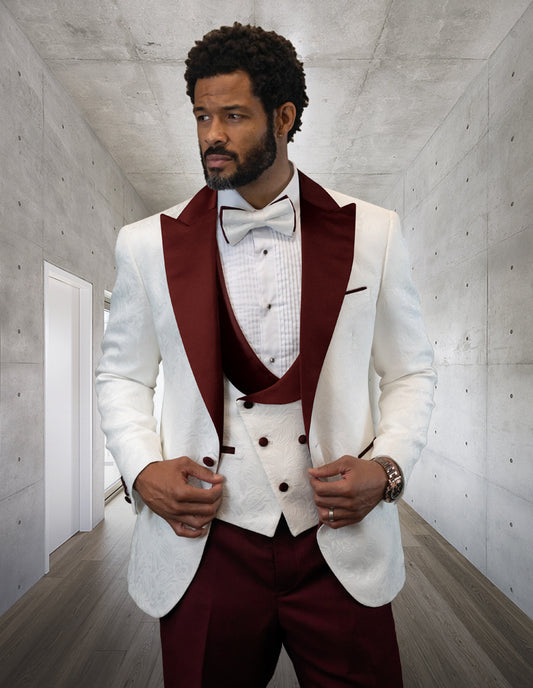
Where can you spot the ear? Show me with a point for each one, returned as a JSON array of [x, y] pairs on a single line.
[[284, 117]]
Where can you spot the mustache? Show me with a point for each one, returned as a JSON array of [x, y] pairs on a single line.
[[219, 150]]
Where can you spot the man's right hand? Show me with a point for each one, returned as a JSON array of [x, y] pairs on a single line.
[[164, 488]]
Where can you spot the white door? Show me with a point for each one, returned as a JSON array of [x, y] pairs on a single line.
[[66, 407]]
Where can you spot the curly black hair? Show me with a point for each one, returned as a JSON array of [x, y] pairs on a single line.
[[276, 73]]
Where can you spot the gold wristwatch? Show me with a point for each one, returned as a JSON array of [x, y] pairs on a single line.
[[395, 484]]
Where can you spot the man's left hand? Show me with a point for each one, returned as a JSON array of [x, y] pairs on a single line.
[[359, 488]]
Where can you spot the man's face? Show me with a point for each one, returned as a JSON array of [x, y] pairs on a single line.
[[236, 137]]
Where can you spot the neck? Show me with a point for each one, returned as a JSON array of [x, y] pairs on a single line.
[[265, 188]]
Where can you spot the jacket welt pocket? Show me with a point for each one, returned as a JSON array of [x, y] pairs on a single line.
[[353, 291]]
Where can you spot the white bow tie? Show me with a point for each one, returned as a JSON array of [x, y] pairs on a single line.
[[237, 222]]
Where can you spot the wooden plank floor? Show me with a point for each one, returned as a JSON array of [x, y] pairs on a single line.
[[78, 628]]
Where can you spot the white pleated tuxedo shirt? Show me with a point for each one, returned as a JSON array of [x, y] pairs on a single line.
[[263, 279]]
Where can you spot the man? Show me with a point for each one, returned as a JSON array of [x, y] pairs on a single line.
[[265, 506]]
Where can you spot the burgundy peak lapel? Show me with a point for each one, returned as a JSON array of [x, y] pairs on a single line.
[[328, 233], [190, 250]]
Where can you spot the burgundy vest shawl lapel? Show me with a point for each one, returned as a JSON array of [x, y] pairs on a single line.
[[190, 250], [328, 234]]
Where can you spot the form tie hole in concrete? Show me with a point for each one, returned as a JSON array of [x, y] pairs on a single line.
[[510, 461], [467, 127]]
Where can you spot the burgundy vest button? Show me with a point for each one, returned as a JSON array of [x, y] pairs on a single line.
[[302, 439], [248, 404], [263, 441], [283, 487], [208, 461]]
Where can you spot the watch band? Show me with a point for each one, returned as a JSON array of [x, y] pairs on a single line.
[[395, 483]]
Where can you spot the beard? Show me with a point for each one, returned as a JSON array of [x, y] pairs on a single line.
[[248, 169]]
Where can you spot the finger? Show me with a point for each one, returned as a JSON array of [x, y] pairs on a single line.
[[195, 509], [199, 495], [335, 525], [334, 501], [328, 470], [203, 473], [183, 530], [338, 488], [338, 514]]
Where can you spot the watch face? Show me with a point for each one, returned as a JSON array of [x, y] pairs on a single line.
[[396, 491]]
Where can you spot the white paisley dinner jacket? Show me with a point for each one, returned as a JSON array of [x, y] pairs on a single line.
[[359, 311]]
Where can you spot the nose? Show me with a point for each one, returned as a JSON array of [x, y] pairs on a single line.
[[215, 132]]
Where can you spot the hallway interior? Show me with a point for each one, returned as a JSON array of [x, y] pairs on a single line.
[[78, 628]]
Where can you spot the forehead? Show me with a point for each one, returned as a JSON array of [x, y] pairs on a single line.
[[234, 88]]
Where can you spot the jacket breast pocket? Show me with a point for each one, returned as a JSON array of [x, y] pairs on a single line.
[[356, 290]]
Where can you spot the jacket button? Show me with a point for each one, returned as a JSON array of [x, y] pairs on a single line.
[[208, 461], [302, 439], [263, 441], [283, 487], [248, 404]]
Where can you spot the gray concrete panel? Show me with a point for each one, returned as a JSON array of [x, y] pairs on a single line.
[[22, 428], [88, 29], [350, 30], [450, 225], [510, 300], [22, 538], [395, 199], [21, 305], [454, 304], [510, 428], [510, 190], [446, 29], [462, 129], [511, 69], [452, 500], [157, 29], [509, 551], [458, 426]]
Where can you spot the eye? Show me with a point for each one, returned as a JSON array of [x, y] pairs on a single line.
[[202, 118], [234, 116]]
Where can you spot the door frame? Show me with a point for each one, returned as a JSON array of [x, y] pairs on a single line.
[[85, 292]]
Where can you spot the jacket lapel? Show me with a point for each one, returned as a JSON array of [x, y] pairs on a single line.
[[328, 233], [189, 248]]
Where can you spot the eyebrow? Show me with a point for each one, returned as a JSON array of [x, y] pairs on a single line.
[[199, 108]]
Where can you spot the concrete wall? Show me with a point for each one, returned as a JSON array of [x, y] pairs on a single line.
[[62, 199], [467, 209]]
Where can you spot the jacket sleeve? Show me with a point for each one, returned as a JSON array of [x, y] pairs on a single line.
[[128, 369], [403, 358]]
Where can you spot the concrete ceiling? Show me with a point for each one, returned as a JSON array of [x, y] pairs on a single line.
[[382, 75]]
